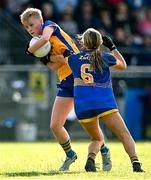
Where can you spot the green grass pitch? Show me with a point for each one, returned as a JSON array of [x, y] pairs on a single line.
[[41, 160]]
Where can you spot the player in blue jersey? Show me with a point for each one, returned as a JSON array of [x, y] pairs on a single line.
[[33, 22], [94, 97]]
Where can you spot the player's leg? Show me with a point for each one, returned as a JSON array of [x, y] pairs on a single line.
[[97, 140], [61, 108], [115, 122]]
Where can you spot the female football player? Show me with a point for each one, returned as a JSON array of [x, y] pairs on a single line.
[[93, 94], [61, 43]]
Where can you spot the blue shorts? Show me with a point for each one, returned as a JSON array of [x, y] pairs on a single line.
[[65, 87]]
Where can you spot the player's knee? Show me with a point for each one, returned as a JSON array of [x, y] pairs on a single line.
[[54, 126]]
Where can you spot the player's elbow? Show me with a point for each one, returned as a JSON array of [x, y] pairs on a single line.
[[120, 66], [124, 66]]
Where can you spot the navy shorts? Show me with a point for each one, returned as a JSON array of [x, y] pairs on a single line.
[[65, 87]]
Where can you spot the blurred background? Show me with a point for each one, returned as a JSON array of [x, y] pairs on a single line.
[[28, 89]]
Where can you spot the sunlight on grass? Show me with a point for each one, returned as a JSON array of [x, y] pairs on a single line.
[[42, 161]]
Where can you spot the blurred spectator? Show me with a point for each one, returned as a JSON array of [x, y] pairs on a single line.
[[121, 17], [131, 25], [100, 4], [85, 15], [49, 11], [14, 7], [114, 2], [144, 26], [123, 40], [2, 4], [61, 5], [36, 3], [137, 4], [134, 17], [68, 23], [143, 56], [104, 20]]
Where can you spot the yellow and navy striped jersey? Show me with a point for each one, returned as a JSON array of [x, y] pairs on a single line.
[[60, 41]]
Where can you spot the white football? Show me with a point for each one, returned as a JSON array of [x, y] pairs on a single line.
[[43, 50]]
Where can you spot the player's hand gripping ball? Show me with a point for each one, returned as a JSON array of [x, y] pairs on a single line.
[[43, 50]]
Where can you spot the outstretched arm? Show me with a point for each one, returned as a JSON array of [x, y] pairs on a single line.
[[60, 59], [56, 61]]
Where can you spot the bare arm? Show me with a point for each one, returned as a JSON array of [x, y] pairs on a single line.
[[54, 66], [56, 61], [121, 63], [47, 32]]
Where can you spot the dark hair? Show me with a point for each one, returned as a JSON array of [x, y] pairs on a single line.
[[92, 40]]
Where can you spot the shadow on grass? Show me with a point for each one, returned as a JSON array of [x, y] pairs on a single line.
[[34, 173]]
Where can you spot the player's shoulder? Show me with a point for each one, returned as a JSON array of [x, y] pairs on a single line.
[[107, 54], [109, 58], [74, 56], [49, 23], [82, 55]]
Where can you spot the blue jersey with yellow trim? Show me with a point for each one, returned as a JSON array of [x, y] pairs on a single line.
[[92, 89], [60, 41]]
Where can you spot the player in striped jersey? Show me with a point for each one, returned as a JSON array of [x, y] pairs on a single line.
[[61, 43]]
